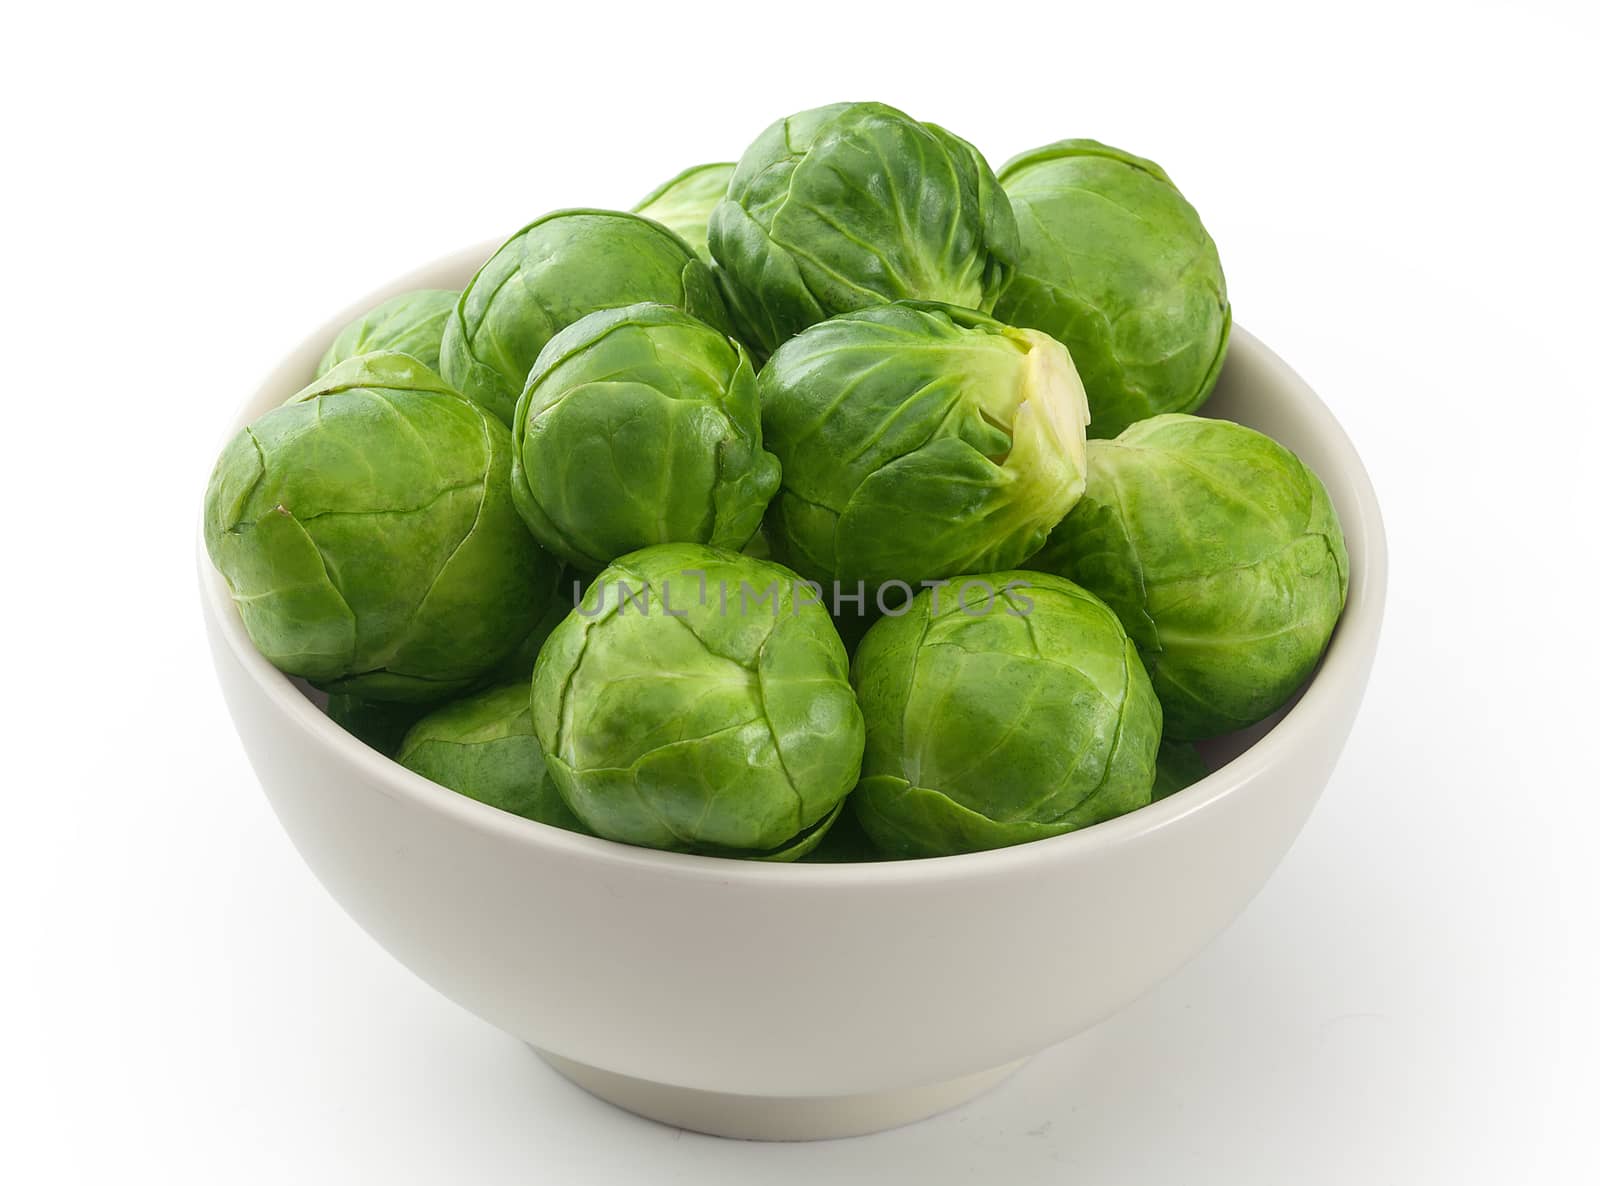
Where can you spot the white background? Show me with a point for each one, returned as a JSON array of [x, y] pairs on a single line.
[[1405, 199]]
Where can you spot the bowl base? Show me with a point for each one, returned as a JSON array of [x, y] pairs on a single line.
[[777, 1118]]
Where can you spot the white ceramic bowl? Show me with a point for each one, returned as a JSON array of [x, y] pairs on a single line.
[[799, 1001]]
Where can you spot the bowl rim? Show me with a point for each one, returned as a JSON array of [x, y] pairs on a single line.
[[1344, 661]]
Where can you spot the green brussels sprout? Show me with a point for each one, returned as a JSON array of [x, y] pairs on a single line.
[[1222, 555], [377, 724], [1011, 708], [639, 426], [1116, 265], [518, 667], [483, 747], [698, 700], [549, 274], [382, 725], [1178, 765], [684, 204], [918, 441], [853, 205], [367, 534], [411, 323]]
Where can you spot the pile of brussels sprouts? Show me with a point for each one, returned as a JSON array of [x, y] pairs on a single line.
[[843, 503]]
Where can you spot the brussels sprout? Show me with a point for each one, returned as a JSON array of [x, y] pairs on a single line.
[[1117, 266], [1011, 708], [518, 666], [639, 426], [552, 272], [367, 534], [844, 207], [1223, 556], [382, 725], [918, 441], [484, 748], [697, 700], [684, 204], [411, 323], [1178, 765], [377, 724]]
